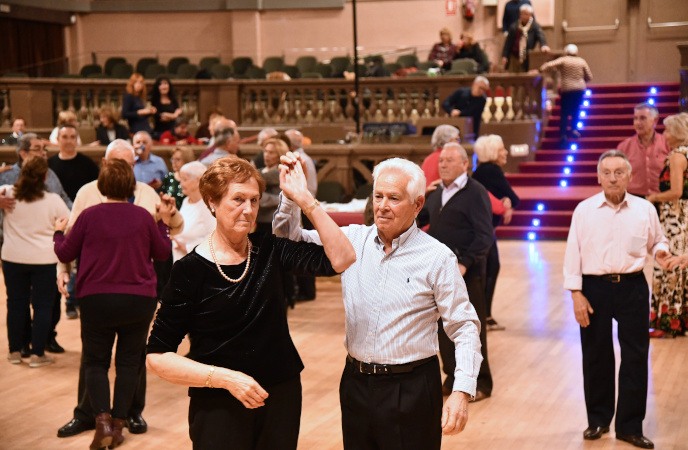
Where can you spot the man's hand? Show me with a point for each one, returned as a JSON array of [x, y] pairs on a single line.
[[455, 113], [455, 413], [582, 308], [7, 203], [504, 61], [506, 201], [544, 49], [62, 280], [155, 183], [664, 260], [432, 186], [5, 168], [462, 269]]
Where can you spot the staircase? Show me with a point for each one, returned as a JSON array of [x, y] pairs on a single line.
[[551, 186]]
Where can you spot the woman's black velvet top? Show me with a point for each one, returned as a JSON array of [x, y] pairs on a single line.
[[241, 326]]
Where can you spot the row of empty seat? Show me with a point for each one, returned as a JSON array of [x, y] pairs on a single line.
[[244, 68]]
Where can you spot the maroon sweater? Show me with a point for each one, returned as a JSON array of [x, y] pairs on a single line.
[[115, 244]]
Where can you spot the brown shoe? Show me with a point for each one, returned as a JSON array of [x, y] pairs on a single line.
[[103, 435], [117, 426]]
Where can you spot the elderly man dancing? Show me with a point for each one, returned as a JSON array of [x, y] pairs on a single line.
[[402, 282]]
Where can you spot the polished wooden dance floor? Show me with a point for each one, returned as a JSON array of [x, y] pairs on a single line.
[[537, 401]]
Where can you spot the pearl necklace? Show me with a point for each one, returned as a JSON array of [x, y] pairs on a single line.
[[248, 260]]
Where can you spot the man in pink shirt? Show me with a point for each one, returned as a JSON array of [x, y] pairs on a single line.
[[646, 150], [611, 234]]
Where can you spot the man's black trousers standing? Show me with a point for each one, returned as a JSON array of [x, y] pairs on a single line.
[[627, 301]]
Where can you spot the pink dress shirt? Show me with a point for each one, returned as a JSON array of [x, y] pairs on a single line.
[[604, 239], [647, 163]]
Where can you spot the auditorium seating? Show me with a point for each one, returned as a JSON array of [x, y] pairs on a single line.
[[110, 64]]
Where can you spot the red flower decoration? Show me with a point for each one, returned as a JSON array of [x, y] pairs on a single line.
[[665, 308], [675, 324]]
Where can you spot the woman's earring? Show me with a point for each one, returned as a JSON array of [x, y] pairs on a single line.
[[212, 209]]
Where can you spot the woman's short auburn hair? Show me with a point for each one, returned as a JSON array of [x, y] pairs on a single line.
[[215, 182], [109, 113], [130, 86], [116, 180]]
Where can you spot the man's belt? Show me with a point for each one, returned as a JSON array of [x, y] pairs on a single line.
[[615, 277], [386, 369]]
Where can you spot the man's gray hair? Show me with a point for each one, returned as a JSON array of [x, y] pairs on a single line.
[[571, 49], [456, 146], [223, 134], [416, 184], [614, 154], [145, 134], [24, 142], [295, 139], [194, 169], [265, 134], [487, 147], [482, 79], [444, 134], [527, 7], [653, 110], [121, 144]]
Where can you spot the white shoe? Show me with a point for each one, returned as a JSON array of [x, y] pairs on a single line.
[[14, 357], [38, 361]]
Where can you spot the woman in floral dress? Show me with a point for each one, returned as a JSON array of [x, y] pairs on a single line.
[[668, 313]]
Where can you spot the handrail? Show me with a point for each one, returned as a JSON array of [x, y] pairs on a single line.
[[665, 24], [567, 29]]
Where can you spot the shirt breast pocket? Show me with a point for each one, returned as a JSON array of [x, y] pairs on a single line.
[[637, 245]]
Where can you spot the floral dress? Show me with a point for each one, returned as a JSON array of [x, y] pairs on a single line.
[[171, 187], [669, 305]]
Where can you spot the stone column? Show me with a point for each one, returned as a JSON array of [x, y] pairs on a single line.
[[683, 71]]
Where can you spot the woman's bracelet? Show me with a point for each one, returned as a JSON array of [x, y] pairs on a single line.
[[209, 381], [310, 209]]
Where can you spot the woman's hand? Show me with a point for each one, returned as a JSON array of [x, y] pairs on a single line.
[[61, 224], [293, 180], [166, 208], [244, 388]]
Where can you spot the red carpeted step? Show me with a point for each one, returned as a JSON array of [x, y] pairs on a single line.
[[583, 143], [537, 179], [632, 87], [562, 155], [622, 108], [540, 219], [606, 120], [531, 233], [640, 97], [558, 166], [588, 131]]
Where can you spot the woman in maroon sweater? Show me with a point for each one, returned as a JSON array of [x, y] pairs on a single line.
[[115, 242]]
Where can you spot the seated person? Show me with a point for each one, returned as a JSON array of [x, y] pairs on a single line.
[[109, 129], [204, 133], [469, 48], [18, 128], [468, 102], [444, 51], [179, 135]]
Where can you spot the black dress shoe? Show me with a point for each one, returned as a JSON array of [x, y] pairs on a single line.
[[136, 424], [592, 433], [638, 441], [74, 427], [53, 347], [26, 351]]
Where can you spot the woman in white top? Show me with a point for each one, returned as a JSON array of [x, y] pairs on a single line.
[[198, 221], [28, 259]]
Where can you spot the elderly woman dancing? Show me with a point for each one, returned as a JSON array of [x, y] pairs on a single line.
[[243, 370]]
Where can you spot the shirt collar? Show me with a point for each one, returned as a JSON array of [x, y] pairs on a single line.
[[399, 241], [460, 182], [602, 201]]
